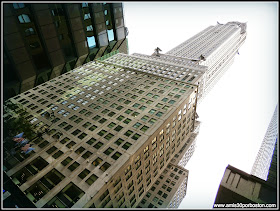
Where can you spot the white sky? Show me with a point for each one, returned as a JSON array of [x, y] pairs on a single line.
[[237, 112]]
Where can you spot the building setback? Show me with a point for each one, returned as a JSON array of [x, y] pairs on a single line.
[[43, 41], [123, 129]]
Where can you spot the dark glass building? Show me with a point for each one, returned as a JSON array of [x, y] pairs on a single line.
[[42, 41]]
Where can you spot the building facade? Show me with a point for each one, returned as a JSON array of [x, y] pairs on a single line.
[[43, 41], [263, 160], [261, 185], [114, 127], [215, 47], [239, 187], [122, 130]]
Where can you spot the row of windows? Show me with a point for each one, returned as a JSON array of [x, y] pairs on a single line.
[[104, 133], [128, 173]]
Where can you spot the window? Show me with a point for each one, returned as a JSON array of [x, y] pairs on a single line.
[[73, 166], [128, 133], [63, 141], [102, 120], [108, 151], [57, 154], [84, 4], [116, 155], [118, 128], [76, 132], [60, 37], [144, 128], [136, 136], [109, 136], [29, 31], [111, 114], [86, 124], [91, 40], [111, 125], [110, 33], [126, 145], [51, 150], [18, 5], [105, 166], [119, 141], [43, 185], [137, 125], [86, 154], [84, 173], [72, 143], [120, 117], [80, 150], [102, 132], [82, 135], [91, 179], [98, 145], [34, 46], [126, 121], [93, 127], [159, 114], [87, 16], [91, 141], [24, 18], [145, 118], [66, 161], [97, 161], [66, 198]]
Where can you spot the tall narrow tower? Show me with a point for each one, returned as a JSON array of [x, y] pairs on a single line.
[[262, 163], [214, 47]]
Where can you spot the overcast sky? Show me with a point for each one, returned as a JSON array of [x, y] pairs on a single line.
[[236, 113]]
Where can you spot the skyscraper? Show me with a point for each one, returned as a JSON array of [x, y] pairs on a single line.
[[263, 160], [42, 41], [122, 130], [215, 47]]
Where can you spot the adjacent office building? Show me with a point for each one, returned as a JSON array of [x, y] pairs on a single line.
[[123, 129], [260, 186], [240, 187], [43, 41]]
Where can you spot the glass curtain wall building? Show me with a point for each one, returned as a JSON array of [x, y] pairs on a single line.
[[42, 41]]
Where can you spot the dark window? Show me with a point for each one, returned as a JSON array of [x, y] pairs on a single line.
[[91, 179], [116, 155], [73, 166], [34, 45], [84, 173], [29, 31], [67, 197], [126, 145]]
